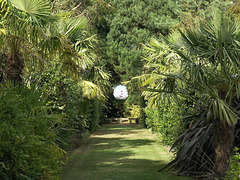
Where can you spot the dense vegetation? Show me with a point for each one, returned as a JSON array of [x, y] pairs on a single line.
[[199, 64], [53, 87], [60, 59]]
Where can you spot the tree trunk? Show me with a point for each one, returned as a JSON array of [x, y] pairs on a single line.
[[14, 67], [223, 135]]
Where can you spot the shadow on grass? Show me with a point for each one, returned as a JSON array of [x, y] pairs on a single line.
[[107, 157], [109, 164], [120, 142], [124, 129]]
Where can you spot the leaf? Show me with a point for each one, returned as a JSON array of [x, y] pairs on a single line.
[[37, 11], [91, 90]]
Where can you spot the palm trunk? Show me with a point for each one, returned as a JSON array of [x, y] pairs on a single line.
[[14, 67], [223, 135]]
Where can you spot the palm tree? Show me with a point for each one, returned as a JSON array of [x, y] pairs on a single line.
[[33, 33], [206, 61], [23, 21]]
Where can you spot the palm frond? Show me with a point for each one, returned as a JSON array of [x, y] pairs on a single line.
[[34, 11], [101, 78], [138, 81], [74, 27], [224, 112], [91, 90], [196, 154]]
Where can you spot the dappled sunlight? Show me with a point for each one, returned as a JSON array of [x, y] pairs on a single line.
[[114, 152]]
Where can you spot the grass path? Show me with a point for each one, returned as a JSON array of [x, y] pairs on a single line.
[[119, 152]]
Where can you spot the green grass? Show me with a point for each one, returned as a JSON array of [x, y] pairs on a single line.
[[119, 152]]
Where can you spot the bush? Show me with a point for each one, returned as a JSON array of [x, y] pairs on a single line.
[[234, 171], [65, 96], [135, 111], [167, 121], [195, 153], [83, 117], [27, 136]]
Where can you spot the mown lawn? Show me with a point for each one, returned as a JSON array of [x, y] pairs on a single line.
[[119, 152]]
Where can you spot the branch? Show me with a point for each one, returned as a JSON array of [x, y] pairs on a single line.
[[73, 9], [54, 2]]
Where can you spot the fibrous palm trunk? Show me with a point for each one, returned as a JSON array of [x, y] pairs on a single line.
[[14, 67], [223, 135]]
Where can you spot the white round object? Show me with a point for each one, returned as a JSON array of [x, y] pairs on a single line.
[[120, 92]]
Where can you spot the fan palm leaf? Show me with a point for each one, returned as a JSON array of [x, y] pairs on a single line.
[[91, 90], [34, 11]]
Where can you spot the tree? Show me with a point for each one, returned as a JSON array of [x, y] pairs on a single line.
[[204, 60], [23, 22], [124, 28], [235, 9], [32, 34], [193, 11], [134, 23], [58, 83]]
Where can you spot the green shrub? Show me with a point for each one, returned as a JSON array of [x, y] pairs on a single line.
[[194, 153], [83, 116], [65, 95], [234, 171], [27, 136], [135, 111], [167, 122]]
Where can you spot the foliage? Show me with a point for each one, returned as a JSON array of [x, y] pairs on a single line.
[[24, 23], [195, 11], [133, 23], [122, 27], [167, 121], [64, 85], [27, 138], [213, 86], [195, 153], [51, 49], [234, 171], [41, 36], [135, 111], [83, 108], [203, 61], [235, 9]]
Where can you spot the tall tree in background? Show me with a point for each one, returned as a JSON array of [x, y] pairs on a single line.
[[132, 23], [122, 27]]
